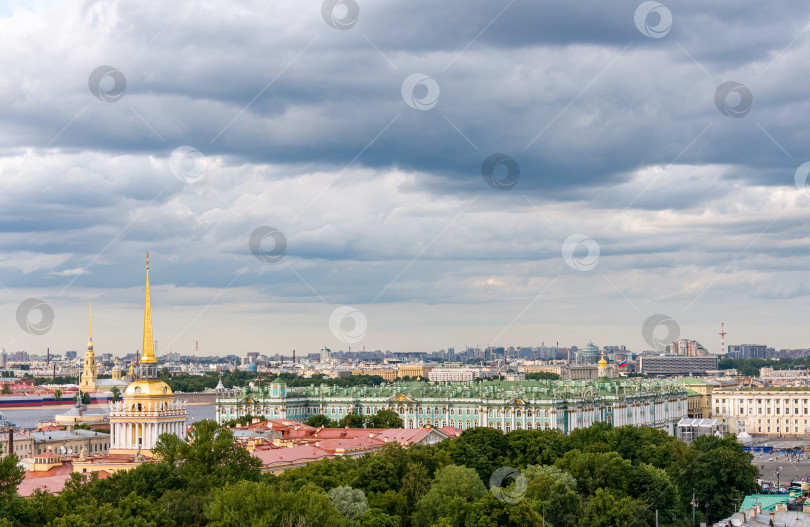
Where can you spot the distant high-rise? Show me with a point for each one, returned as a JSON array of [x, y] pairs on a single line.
[[588, 355], [748, 351], [687, 348]]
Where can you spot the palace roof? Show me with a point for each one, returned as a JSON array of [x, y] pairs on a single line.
[[500, 390]]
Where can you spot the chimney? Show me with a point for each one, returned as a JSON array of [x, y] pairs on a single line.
[[293, 356]]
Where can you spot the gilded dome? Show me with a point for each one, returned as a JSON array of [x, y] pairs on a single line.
[[147, 388]]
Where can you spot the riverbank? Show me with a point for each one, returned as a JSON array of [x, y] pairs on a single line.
[[28, 418]]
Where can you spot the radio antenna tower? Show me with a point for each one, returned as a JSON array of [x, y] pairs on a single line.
[[722, 338], [197, 351]]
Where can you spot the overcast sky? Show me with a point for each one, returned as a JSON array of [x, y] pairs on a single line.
[[403, 175]]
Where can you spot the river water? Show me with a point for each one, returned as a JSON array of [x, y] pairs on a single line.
[[29, 417]]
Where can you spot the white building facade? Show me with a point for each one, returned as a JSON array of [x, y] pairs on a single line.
[[758, 411]]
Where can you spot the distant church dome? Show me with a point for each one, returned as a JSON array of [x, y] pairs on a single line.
[[253, 367]]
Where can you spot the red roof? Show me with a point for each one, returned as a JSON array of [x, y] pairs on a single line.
[[64, 468], [296, 454], [407, 436], [346, 433], [52, 480], [52, 484], [48, 455], [359, 444], [450, 431]]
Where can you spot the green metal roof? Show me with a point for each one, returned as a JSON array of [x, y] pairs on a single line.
[[532, 390], [768, 501], [691, 381]]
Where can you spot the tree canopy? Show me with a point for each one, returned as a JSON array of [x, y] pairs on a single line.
[[599, 476]]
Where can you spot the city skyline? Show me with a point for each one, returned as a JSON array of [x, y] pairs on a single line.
[[405, 177]]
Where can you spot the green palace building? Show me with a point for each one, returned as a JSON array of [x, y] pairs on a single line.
[[504, 405]]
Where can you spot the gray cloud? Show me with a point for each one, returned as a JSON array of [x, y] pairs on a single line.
[[304, 128]]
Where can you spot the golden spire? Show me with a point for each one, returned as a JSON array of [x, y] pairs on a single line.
[[148, 354], [603, 362], [90, 326]]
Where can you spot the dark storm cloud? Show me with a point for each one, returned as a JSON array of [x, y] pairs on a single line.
[[554, 86]]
